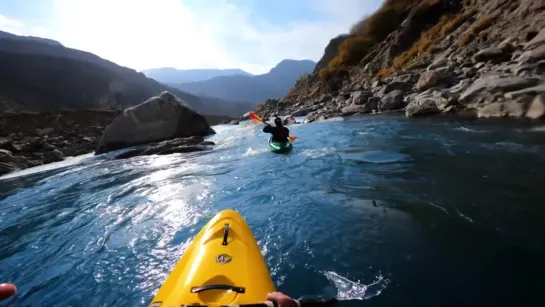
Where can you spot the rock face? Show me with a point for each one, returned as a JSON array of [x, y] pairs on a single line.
[[430, 78], [487, 85], [473, 58], [159, 118]]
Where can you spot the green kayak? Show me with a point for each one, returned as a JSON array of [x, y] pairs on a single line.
[[280, 147]]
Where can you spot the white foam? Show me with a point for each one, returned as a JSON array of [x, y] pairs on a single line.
[[465, 129], [318, 152], [51, 166], [537, 129], [252, 152], [351, 290]]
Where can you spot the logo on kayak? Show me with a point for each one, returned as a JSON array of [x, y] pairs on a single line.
[[223, 259]]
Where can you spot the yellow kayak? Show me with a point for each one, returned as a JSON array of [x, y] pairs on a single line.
[[222, 266]]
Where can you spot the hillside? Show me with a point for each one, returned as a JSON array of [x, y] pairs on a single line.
[[424, 57], [6, 35], [168, 75], [39, 75], [253, 89]]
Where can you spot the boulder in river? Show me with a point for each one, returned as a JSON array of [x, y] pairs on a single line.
[[484, 86], [157, 119], [537, 108], [180, 145], [392, 101]]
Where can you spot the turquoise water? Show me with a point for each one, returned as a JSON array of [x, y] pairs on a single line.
[[387, 210]]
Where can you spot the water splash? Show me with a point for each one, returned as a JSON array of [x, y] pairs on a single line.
[[351, 290], [465, 129], [317, 153]]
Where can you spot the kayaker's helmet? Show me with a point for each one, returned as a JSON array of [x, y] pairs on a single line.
[[278, 122]]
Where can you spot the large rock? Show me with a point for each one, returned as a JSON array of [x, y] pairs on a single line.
[[493, 84], [537, 68], [442, 62], [393, 86], [537, 41], [6, 168], [493, 54], [423, 107], [392, 101], [430, 78], [358, 108], [301, 112], [157, 119], [5, 156], [537, 108], [530, 91], [502, 109], [360, 98], [533, 55]]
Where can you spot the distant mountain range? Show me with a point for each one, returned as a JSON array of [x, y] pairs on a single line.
[[172, 75], [41, 74], [249, 88]]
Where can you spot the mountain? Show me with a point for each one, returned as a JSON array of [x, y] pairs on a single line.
[[6, 35], [253, 89], [40, 75], [173, 75]]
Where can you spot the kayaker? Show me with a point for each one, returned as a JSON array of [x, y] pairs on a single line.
[[281, 299], [280, 133]]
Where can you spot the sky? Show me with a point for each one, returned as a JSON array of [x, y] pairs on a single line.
[[253, 35]]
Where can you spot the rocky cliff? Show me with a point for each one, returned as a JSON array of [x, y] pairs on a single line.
[[423, 57]]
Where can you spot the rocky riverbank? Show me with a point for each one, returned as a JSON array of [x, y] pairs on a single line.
[[32, 139], [481, 60]]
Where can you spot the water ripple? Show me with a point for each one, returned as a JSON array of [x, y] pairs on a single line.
[[372, 208]]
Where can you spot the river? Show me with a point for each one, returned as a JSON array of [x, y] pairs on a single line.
[[384, 209]]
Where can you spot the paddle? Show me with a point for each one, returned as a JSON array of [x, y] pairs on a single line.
[[256, 118]]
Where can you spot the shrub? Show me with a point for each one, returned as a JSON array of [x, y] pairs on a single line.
[[370, 31]]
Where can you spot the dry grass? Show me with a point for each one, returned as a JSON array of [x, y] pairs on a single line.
[[456, 22], [472, 33], [428, 42], [385, 72], [371, 31]]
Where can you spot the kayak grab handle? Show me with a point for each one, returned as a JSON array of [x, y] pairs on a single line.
[[225, 234], [218, 287]]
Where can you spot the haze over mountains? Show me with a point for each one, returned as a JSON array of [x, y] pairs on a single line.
[[172, 75], [41, 74], [245, 87]]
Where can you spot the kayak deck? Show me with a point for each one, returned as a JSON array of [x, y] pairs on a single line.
[[280, 147], [222, 266]]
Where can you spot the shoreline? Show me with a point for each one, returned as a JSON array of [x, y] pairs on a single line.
[[31, 139]]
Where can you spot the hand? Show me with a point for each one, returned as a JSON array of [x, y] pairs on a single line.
[[7, 290], [281, 299]]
